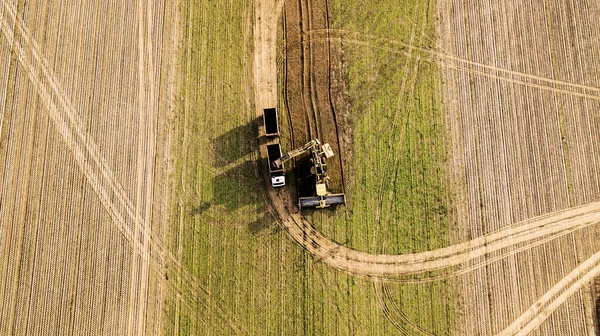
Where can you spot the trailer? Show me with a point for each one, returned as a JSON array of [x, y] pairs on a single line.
[[271, 122], [277, 172]]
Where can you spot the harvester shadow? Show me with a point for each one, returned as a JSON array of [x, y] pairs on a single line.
[[236, 187], [237, 200], [265, 224], [237, 197], [235, 143]]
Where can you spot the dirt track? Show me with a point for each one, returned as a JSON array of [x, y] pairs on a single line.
[[534, 231], [556, 296]]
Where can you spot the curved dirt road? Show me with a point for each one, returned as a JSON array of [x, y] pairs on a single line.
[[391, 267]]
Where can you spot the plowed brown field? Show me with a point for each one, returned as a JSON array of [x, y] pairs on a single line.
[[307, 80], [524, 148], [80, 138]]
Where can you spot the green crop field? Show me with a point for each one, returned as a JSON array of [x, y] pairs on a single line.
[[239, 272], [399, 201]]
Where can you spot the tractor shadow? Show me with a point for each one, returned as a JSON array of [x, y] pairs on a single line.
[[236, 143], [237, 200], [238, 187]]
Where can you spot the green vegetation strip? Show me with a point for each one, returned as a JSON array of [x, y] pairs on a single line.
[[237, 267], [397, 181]]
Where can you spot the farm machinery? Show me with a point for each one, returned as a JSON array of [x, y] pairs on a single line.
[[314, 182], [318, 169]]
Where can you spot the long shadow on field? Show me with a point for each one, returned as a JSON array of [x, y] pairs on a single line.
[[598, 316], [235, 143], [238, 188], [237, 200]]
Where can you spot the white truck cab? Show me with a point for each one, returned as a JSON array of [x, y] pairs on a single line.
[[278, 181]]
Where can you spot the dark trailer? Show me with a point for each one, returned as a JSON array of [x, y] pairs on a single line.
[[271, 122], [277, 173]]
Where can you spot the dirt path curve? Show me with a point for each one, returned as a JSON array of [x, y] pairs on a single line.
[[392, 267]]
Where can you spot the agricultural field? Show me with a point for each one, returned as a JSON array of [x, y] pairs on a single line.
[[381, 109], [521, 90], [135, 196], [230, 241], [80, 187], [229, 237]]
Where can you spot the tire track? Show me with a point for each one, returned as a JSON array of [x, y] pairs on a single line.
[[18, 313], [397, 310], [18, 237], [146, 150], [61, 124], [390, 267], [9, 183], [70, 127], [438, 52], [538, 182], [332, 108], [293, 73], [556, 296], [460, 64], [405, 90], [318, 56], [381, 300], [392, 310], [307, 68]]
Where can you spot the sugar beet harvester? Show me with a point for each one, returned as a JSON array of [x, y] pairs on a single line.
[[324, 198]]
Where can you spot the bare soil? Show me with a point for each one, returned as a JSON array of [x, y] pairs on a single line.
[[521, 93], [308, 88], [80, 137]]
